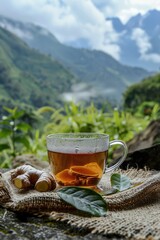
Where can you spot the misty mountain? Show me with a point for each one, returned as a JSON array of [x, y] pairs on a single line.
[[27, 76], [100, 73], [139, 40], [117, 24]]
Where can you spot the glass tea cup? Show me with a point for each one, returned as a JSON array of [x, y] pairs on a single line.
[[79, 159]]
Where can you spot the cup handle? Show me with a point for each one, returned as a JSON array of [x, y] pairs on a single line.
[[121, 160]]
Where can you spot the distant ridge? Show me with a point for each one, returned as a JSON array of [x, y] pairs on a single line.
[[96, 69], [27, 76], [139, 40]]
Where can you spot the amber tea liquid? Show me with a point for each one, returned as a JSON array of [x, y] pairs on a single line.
[[77, 169]]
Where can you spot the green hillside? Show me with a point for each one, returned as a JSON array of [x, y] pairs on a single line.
[[146, 91], [93, 67], [97, 69], [28, 76]]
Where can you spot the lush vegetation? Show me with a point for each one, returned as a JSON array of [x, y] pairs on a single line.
[[147, 90], [24, 131], [26, 76], [40, 79]]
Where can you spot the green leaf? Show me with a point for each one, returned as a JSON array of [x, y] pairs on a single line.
[[45, 109], [23, 126], [84, 199], [5, 132], [22, 140], [9, 110], [73, 124], [4, 146], [120, 182], [116, 117], [18, 114]]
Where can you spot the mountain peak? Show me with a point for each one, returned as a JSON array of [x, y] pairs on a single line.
[[152, 16], [150, 21], [134, 21], [154, 11], [143, 49], [117, 24], [24, 30]]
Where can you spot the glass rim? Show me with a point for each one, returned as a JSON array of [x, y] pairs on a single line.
[[77, 135]]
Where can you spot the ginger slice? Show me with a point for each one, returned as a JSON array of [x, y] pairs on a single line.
[[83, 171], [95, 167], [65, 178], [22, 181]]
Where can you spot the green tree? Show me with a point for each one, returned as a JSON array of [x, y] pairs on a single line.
[[147, 90]]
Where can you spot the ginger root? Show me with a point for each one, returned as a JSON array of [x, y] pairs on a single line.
[[26, 177]]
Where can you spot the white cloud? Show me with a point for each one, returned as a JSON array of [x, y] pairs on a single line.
[[16, 30], [145, 47], [71, 20], [153, 57], [142, 40], [68, 21], [124, 9], [84, 91]]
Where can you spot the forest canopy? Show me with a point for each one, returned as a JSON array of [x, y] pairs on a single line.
[[145, 91]]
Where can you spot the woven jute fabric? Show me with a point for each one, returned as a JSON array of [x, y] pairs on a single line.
[[132, 214]]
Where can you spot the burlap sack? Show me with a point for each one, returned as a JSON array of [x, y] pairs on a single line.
[[133, 214]]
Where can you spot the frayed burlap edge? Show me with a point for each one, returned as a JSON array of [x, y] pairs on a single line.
[[140, 223]]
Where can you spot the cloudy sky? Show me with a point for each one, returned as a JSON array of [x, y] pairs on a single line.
[[70, 20]]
